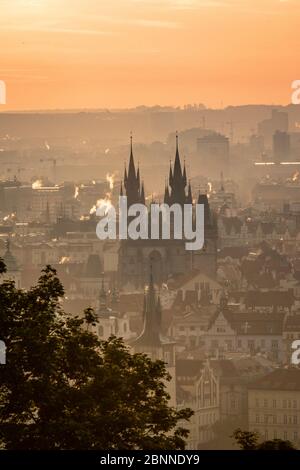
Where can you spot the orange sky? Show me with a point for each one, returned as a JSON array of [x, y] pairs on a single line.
[[123, 53]]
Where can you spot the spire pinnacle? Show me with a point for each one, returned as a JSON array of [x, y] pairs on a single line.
[[184, 174], [177, 142], [143, 193], [131, 153]]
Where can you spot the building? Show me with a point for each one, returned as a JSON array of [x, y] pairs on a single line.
[[281, 146], [274, 405], [168, 257], [248, 332], [267, 128], [291, 332], [198, 389], [213, 151]]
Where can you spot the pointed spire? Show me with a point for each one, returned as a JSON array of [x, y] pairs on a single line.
[[125, 175], [177, 165], [150, 335], [177, 152], [131, 152], [121, 189], [170, 175], [102, 296], [177, 180], [131, 168], [184, 175], [167, 195], [142, 194], [190, 196], [138, 177]]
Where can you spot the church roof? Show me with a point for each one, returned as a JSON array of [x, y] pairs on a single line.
[[252, 323]]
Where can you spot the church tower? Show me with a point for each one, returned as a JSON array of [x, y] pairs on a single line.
[[134, 189], [151, 341], [168, 257], [177, 182]]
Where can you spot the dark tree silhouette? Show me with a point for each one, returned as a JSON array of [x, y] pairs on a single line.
[[62, 388]]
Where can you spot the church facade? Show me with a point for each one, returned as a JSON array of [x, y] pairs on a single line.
[[167, 258]]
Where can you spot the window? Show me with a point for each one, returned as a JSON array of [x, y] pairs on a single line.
[[295, 436], [274, 403], [294, 403], [274, 419], [233, 404], [285, 419], [257, 418], [257, 402], [274, 344], [284, 403], [285, 435], [265, 403], [275, 434], [294, 419]]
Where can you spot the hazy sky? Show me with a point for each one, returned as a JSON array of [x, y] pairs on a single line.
[[119, 53]]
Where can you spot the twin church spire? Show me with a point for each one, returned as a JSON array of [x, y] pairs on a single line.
[[177, 190]]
